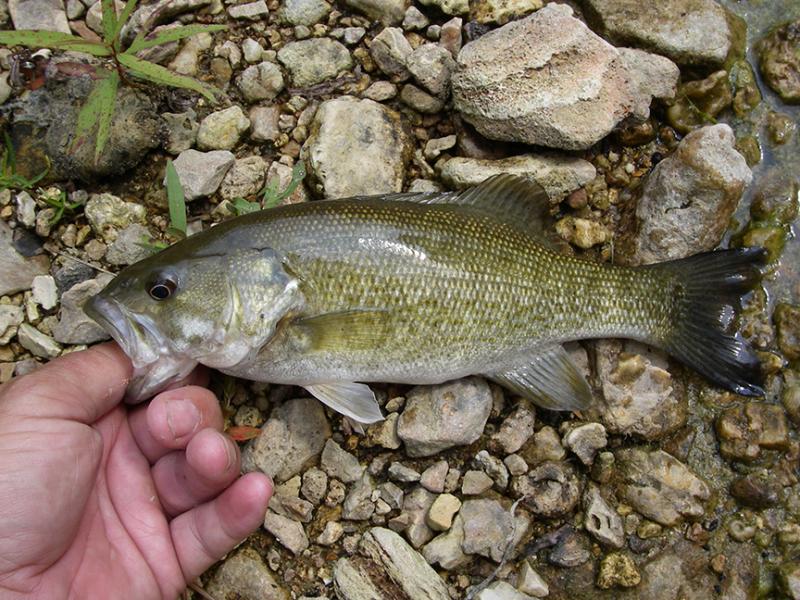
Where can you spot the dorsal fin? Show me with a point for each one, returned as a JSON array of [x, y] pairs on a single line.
[[512, 199]]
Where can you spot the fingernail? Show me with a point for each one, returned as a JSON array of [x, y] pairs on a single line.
[[183, 418]]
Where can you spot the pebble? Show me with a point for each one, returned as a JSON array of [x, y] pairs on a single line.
[[400, 472], [339, 463], [502, 11], [445, 549], [779, 61], [433, 478], [523, 92], [74, 325], [108, 214], [432, 65], [10, 318], [530, 582], [390, 569], [420, 100], [288, 532], [441, 513], [263, 81], [443, 416], [356, 147], [434, 147], [745, 430], [416, 505], [304, 12], [264, 123], [127, 248], [36, 342], [46, 15], [358, 504], [245, 178], [252, 11], [388, 12], [787, 323], [44, 291], [586, 440], [550, 489], [602, 521], [187, 61], [201, 173], [450, 35], [16, 271], [390, 50], [315, 484], [493, 467], [659, 486], [617, 570], [245, 575], [516, 429], [331, 534], [501, 590], [571, 549], [384, 433], [392, 495], [252, 51], [490, 529], [26, 209], [223, 129], [380, 91], [706, 167], [476, 483], [515, 464], [449, 7], [313, 61], [181, 131], [414, 19], [293, 436]]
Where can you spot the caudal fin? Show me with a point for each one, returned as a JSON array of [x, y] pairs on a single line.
[[708, 294]]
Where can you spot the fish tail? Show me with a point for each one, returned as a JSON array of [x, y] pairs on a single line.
[[708, 290]]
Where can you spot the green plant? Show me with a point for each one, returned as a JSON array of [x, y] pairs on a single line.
[[176, 202], [61, 205], [121, 62], [271, 195], [9, 178]]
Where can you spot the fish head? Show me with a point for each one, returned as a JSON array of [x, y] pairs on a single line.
[[186, 306]]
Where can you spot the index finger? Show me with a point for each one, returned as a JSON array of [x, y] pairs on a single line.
[[81, 386]]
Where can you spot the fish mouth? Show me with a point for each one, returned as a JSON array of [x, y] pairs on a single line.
[[155, 364]]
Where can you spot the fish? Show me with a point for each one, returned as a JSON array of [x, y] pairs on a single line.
[[417, 288]]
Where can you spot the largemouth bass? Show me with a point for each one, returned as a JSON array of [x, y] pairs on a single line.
[[417, 289]]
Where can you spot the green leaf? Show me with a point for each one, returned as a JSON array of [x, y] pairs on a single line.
[[109, 20], [123, 18], [97, 111], [109, 98], [175, 200], [271, 195], [162, 76], [52, 39], [170, 35], [243, 207]]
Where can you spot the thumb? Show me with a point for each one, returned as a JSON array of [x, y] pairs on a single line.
[[81, 386]]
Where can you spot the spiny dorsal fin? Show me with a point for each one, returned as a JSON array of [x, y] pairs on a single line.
[[512, 199], [551, 380]]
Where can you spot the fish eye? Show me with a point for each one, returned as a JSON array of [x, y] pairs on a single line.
[[162, 289]]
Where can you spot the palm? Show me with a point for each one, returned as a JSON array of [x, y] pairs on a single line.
[[117, 506]]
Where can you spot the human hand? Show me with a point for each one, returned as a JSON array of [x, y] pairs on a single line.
[[101, 501]]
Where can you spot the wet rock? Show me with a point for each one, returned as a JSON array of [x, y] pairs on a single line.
[[245, 178], [127, 248], [617, 570], [787, 323], [441, 513], [339, 463], [789, 579], [698, 102], [548, 80], [679, 571], [432, 65], [74, 326], [442, 416], [641, 397], [502, 11], [659, 486], [315, 60], [780, 127], [287, 531], [690, 32], [571, 549], [222, 130], [516, 429], [500, 590], [586, 440], [756, 490], [47, 15], [388, 12], [201, 173], [558, 174], [745, 430], [293, 436], [107, 214], [358, 504], [390, 50], [449, 7], [490, 529], [263, 81], [36, 342], [387, 567], [475, 483], [445, 549], [582, 233], [690, 196], [356, 147], [779, 60], [530, 582], [602, 521], [304, 12], [550, 490], [245, 576]]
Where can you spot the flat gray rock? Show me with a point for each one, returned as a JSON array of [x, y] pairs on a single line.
[[16, 271], [315, 60]]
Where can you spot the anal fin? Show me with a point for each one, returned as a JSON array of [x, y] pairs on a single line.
[[354, 400], [551, 380]]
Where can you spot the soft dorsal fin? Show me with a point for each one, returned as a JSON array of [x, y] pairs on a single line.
[[551, 379], [512, 199]]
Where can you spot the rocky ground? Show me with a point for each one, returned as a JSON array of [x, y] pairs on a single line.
[[659, 129]]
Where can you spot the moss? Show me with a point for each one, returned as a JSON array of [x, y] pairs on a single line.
[[746, 95], [749, 147], [780, 127], [699, 102]]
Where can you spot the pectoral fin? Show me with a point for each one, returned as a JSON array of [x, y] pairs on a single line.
[[551, 380], [357, 329], [354, 400]]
